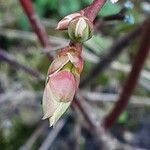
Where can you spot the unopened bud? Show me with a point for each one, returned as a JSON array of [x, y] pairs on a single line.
[[80, 29], [62, 83]]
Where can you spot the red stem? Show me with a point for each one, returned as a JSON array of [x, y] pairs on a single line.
[[35, 22], [91, 11], [132, 78]]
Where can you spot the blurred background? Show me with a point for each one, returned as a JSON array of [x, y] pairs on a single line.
[[23, 67]]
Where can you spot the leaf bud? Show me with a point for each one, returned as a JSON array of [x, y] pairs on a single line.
[[80, 29]]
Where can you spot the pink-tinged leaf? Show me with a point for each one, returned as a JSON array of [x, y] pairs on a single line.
[[49, 103], [63, 86], [76, 60], [63, 24], [63, 81], [57, 64], [59, 112]]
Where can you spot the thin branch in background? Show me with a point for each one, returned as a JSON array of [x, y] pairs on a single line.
[[35, 22], [144, 81], [108, 142], [56, 42], [78, 101], [33, 138], [96, 97], [7, 22], [112, 54], [132, 78], [22, 94], [4, 56], [114, 17], [52, 135], [118, 16], [77, 130]]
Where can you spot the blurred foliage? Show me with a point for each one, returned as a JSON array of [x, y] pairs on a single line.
[[15, 136], [109, 9], [123, 117]]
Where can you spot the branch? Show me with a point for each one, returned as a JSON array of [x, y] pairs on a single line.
[[91, 11], [118, 16], [4, 56], [11, 99], [34, 137], [78, 101], [110, 97], [114, 17], [105, 140], [132, 78], [47, 143], [31, 37], [112, 54], [35, 22]]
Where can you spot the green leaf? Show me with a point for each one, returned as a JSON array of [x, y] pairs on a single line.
[[98, 43], [59, 112], [109, 9], [102, 79], [23, 22], [123, 117], [69, 6]]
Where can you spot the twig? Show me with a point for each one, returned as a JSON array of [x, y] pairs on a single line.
[[91, 11], [77, 130], [4, 56], [112, 54], [114, 17], [33, 138], [56, 42], [52, 135], [126, 68], [132, 78], [22, 94], [10, 33], [145, 84], [78, 101], [35, 22], [107, 97], [118, 16], [116, 65], [7, 22], [144, 80], [30, 36], [108, 142]]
